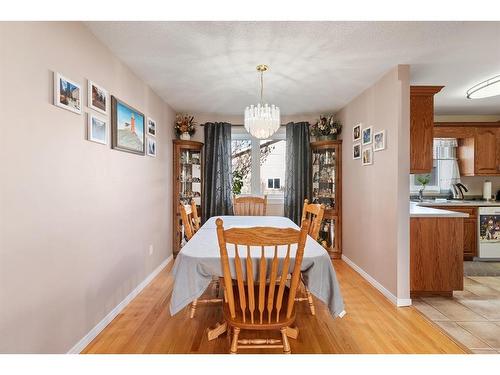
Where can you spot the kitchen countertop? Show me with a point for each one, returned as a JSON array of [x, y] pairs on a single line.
[[451, 203], [416, 210]]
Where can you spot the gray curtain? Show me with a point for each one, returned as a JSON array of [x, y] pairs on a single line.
[[217, 198], [298, 169]]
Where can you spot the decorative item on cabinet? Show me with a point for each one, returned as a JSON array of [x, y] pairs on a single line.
[[185, 126], [327, 189], [187, 183], [422, 127], [326, 128]]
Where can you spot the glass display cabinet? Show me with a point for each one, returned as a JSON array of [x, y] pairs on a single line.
[[187, 183], [326, 189]]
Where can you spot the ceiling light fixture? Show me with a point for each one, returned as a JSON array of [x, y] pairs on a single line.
[[490, 87], [262, 120]]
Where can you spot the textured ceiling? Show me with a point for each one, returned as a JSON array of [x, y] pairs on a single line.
[[314, 66]]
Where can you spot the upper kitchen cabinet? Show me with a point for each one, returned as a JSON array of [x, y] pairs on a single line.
[[478, 150], [422, 127]]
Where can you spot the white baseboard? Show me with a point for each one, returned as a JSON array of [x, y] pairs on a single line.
[[400, 302], [113, 313]]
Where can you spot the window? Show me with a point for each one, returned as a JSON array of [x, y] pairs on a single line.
[[445, 170], [258, 166]]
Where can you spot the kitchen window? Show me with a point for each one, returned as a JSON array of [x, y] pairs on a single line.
[[258, 166], [445, 171]]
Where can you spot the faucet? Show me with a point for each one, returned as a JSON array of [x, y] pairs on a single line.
[[458, 190]]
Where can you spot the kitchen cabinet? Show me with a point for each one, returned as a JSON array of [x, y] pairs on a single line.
[[422, 127], [469, 231], [478, 150]]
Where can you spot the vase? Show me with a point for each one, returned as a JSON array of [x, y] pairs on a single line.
[[330, 137], [185, 136]]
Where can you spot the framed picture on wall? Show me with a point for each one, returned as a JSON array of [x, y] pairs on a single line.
[[151, 146], [67, 94], [356, 132], [151, 127], [128, 131], [97, 98], [97, 129], [379, 141], [367, 135], [367, 156], [356, 151]]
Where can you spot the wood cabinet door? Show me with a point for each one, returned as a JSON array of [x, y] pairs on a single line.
[[421, 133], [486, 151], [470, 238]]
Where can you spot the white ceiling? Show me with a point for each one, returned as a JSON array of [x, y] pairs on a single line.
[[209, 67]]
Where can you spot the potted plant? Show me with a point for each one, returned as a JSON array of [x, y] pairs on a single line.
[[327, 127], [422, 180], [184, 126]]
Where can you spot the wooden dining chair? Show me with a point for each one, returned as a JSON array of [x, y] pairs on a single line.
[[312, 214], [260, 299], [250, 206], [191, 223]]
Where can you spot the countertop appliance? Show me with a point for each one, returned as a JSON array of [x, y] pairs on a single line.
[[489, 233], [498, 196]]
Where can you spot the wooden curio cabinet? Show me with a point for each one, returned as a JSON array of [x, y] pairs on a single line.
[[187, 183], [327, 189]]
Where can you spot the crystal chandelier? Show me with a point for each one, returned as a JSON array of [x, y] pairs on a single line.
[[262, 120]]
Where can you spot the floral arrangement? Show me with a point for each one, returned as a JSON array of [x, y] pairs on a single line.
[[326, 126], [184, 124]]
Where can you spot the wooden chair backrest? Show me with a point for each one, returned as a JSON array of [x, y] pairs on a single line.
[[190, 219], [266, 283], [314, 214], [250, 206]]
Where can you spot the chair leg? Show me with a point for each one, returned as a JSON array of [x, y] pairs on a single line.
[[311, 302], [286, 344], [234, 343], [193, 308]]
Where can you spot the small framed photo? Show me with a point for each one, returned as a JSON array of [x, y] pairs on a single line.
[[97, 129], [151, 146], [97, 98], [356, 132], [67, 94], [356, 151], [379, 141], [367, 156], [128, 128], [151, 127], [367, 135]]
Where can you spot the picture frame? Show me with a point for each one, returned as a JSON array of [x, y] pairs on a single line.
[[356, 133], [152, 128], [151, 147], [367, 156], [356, 151], [67, 94], [367, 136], [379, 141], [97, 129], [128, 128], [97, 97]]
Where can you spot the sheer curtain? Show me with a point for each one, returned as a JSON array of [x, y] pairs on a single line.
[[445, 153], [298, 169], [217, 199]]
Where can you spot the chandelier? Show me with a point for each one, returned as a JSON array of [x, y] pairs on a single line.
[[262, 120]]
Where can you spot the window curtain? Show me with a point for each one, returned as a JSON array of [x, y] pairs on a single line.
[[217, 198], [445, 150], [298, 169]]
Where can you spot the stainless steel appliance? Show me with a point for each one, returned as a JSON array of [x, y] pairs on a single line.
[[489, 233]]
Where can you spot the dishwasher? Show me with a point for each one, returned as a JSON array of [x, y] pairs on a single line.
[[489, 233]]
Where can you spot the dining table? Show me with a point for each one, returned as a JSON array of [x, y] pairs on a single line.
[[198, 263]]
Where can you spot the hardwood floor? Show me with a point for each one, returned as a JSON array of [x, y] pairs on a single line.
[[372, 325]]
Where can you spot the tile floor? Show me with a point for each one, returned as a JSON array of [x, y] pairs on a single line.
[[472, 316]]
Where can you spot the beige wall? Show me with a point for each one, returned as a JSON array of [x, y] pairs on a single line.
[[76, 218], [375, 197]]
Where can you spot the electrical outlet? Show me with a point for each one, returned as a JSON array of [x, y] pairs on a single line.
[[151, 249]]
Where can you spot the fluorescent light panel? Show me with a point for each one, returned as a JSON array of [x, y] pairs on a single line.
[[490, 87]]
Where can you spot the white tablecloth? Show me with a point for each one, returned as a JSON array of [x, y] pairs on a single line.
[[199, 260]]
